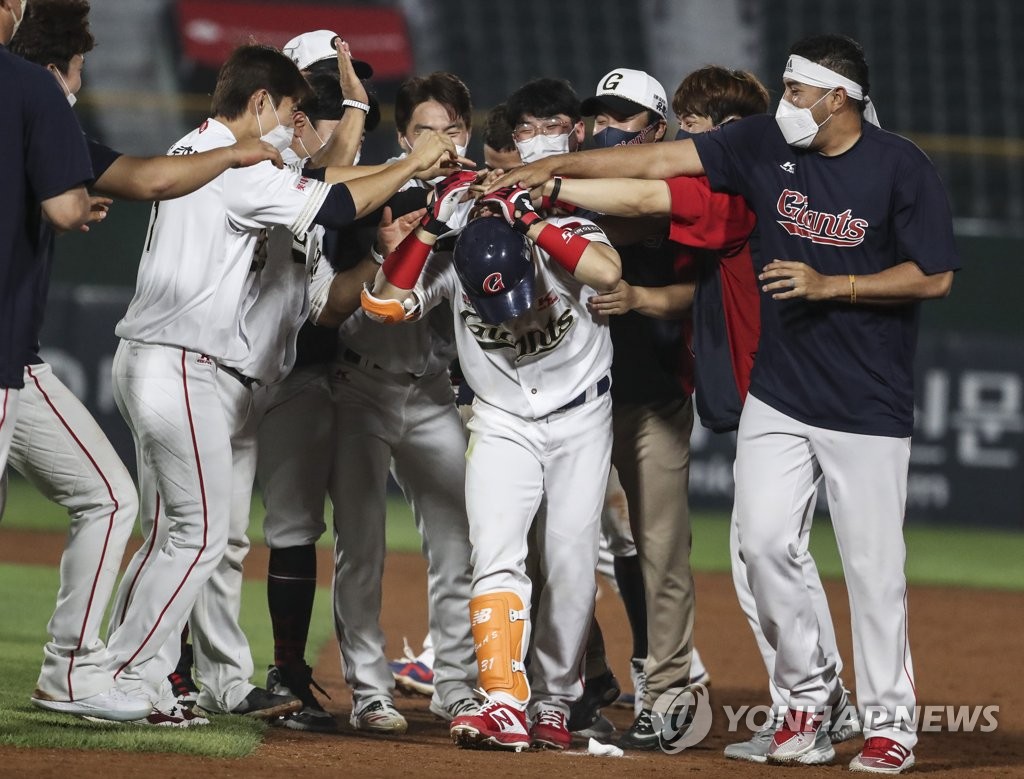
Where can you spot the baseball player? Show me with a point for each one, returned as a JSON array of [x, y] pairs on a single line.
[[538, 361], [394, 408], [57, 445], [725, 304], [186, 320], [865, 216]]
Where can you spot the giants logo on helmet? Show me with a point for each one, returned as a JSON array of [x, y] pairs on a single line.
[[831, 229], [493, 283]]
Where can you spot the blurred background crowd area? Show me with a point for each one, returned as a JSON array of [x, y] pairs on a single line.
[[945, 73]]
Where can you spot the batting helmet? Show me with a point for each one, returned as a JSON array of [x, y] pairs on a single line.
[[495, 265]]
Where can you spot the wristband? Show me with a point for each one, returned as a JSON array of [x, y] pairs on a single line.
[[364, 107], [564, 247], [404, 265], [853, 288], [526, 221], [376, 255]]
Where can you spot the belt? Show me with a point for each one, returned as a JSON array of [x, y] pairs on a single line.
[[603, 385], [241, 378], [357, 359]]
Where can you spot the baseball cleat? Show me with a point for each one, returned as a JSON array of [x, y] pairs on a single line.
[[379, 716], [452, 710], [263, 704], [168, 713], [639, 679], [843, 720], [882, 755], [756, 749], [495, 725], [601, 728], [184, 687], [642, 734], [598, 692], [412, 676], [550, 730], [298, 681], [801, 739], [113, 705]]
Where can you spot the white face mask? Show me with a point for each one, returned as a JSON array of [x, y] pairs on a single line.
[[460, 150], [322, 142], [797, 124], [19, 20], [280, 137], [541, 146], [71, 98]]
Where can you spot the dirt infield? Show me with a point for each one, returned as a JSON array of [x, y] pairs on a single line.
[[964, 642]]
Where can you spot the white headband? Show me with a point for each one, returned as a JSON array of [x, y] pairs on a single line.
[[811, 73]]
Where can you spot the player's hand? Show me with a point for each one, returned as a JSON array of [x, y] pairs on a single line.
[[788, 279], [448, 195], [252, 151], [515, 205], [536, 174], [620, 300], [391, 231], [98, 209], [351, 87]]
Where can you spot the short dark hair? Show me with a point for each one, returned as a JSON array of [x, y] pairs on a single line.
[[53, 32], [325, 100], [250, 69], [497, 130], [543, 97], [717, 93], [839, 53], [446, 88]]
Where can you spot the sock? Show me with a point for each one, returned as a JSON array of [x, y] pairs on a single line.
[[291, 586], [630, 579], [594, 661]]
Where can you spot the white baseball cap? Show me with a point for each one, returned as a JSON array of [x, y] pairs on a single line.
[[312, 47], [626, 91]]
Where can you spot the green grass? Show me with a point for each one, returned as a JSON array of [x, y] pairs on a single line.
[[957, 556], [23, 633]]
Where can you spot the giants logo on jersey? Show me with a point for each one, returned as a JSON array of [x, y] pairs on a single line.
[[831, 229], [527, 344]]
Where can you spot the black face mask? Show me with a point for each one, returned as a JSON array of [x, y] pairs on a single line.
[[613, 136]]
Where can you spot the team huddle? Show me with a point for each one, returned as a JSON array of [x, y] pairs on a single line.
[[521, 347]]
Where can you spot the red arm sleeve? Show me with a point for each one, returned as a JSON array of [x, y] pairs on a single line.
[[704, 219]]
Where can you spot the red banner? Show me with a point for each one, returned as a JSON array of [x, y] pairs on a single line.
[[211, 29]]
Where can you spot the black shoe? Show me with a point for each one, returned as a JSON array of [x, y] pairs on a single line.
[[262, 704], [598, 692], [298, 681], [642, 734]]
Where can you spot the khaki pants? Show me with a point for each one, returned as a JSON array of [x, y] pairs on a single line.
[[651, 451]]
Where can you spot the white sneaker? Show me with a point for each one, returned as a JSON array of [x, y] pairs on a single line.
[[379, 716], [639, 678], [114, 704]]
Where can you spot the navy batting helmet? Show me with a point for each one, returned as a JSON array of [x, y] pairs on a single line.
[[495, 265]]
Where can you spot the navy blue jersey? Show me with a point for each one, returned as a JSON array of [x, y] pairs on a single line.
[[646, 359], [44, 155], [102, 157], [881, 203]]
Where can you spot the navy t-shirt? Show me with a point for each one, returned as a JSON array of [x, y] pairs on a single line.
[[646, 357], [44, 155], [102, 157], [881, 203]]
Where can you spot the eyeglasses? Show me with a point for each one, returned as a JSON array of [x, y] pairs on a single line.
[[550, 128]]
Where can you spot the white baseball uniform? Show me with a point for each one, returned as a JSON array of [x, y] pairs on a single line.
[[60, 449], [188, 315], [394, 406], [540, 433]]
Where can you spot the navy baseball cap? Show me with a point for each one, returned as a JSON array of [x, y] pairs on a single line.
[[495, 265]]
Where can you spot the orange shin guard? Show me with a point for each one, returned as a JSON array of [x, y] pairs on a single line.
[[500, 635]]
